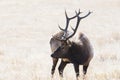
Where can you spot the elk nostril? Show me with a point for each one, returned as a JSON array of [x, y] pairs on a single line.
[[51, 55]]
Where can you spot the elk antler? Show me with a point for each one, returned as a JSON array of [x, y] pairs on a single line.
[[67, 23], [78, 21], [68, 20]]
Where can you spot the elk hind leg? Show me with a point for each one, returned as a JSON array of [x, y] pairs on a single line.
[[85, 67]]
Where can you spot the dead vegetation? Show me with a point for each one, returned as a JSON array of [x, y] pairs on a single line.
[[27, 25]]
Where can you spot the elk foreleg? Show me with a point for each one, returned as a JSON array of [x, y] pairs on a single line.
[[76, 67], [55, 60], [61, 68]]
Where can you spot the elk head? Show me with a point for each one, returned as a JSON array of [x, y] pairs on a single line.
[[66, 44]]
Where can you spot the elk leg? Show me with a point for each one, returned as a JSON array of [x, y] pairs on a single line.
[[61, 67], [85, 70], [76, 67], [55, 60]]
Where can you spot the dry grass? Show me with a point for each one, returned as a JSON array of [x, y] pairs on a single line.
[[26, 27]]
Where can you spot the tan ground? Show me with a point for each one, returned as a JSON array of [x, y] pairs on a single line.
[[26, 27]]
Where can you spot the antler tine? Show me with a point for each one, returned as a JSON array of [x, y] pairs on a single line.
[[79, 11], [60, 28], [68, 20], [74, 30], [78, 21], [77, 14], [66, 14], [77, 24], [86, 15]]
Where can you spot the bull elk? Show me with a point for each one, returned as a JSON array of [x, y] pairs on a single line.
[[76, 52]]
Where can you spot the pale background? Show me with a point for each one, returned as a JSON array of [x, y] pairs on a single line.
[[26, 27]]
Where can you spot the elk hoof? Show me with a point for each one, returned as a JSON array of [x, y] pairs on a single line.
[[84, 77]]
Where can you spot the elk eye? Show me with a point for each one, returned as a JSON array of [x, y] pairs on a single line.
[[62, 47]]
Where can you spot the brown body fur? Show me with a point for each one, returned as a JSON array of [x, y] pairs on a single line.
[[80, 52]]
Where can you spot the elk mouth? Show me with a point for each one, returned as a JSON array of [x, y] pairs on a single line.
[[55, 56], [52, 55]]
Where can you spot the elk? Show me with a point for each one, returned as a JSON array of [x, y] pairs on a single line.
[[76, 52]]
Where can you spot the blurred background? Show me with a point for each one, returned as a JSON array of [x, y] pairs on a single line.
[[26, 27]]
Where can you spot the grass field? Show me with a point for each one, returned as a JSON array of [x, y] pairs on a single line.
[[26, 27]]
